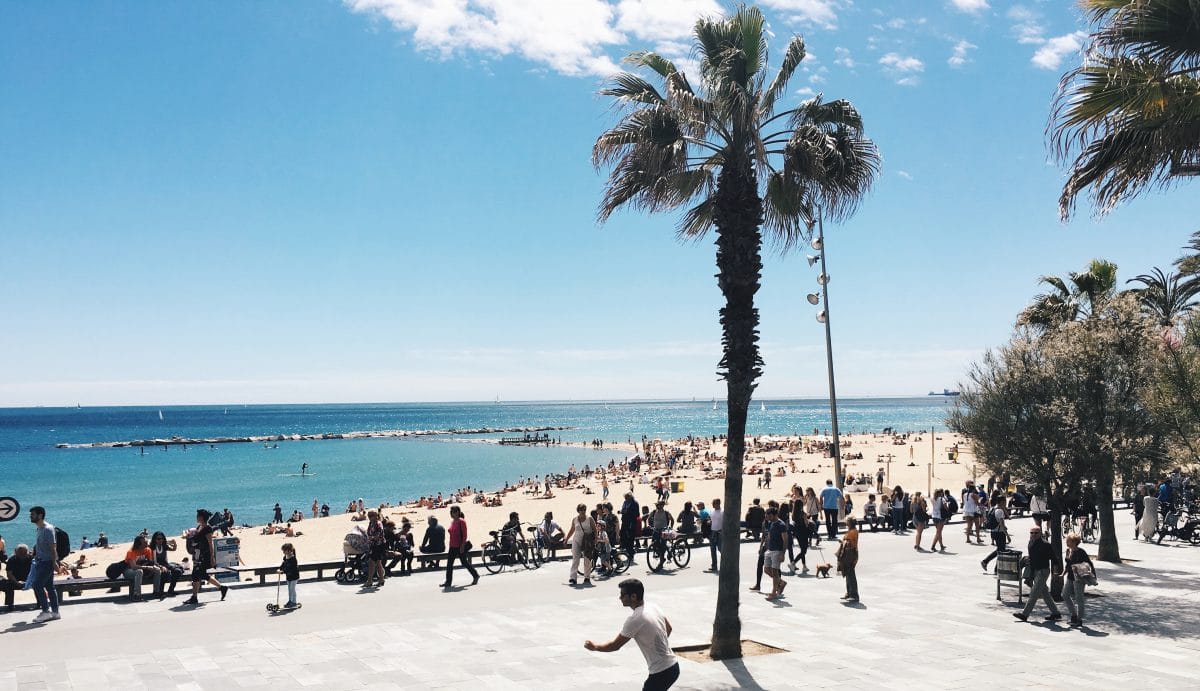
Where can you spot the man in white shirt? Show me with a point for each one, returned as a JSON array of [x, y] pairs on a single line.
[[648, 626], [714, 542]]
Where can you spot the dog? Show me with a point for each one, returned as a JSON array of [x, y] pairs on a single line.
[[823, 570]]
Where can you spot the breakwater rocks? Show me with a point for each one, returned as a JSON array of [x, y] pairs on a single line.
[[271, 438]]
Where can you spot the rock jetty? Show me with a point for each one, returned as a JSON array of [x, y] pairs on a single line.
[[268, 438]]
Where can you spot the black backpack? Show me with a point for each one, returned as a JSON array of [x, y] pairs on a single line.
[[951, 507], [992, 524], [62, 543], [115, 570]]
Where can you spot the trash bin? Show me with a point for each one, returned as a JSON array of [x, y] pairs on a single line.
[[1008, 572], [676, 486]]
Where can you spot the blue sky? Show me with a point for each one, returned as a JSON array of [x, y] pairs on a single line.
[[392, 200]]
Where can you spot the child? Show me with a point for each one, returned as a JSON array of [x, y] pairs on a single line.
[[291, 570]]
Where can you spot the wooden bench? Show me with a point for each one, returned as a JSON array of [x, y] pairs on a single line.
[[75, 586], [263, 572]]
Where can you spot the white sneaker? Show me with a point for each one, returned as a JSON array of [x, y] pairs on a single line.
[[43, 617], [55, 615]]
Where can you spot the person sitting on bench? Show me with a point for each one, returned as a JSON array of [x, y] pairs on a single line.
[[18, 571], [434, 541]]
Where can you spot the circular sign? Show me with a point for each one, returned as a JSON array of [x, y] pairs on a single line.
[[9, 509]]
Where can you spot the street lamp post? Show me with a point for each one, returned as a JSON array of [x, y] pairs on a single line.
[[818, 244]]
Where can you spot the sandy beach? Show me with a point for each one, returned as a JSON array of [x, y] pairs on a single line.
[[784, 457]]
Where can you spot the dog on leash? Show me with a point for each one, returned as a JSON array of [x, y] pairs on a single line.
[[823, 570]]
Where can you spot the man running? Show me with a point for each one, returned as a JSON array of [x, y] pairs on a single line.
[[649, 627]]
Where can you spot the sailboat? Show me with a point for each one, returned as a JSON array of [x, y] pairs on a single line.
[[762, 407], [160, 417], [714, 402]]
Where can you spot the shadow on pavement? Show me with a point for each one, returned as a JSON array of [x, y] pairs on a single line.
[[742, 675]]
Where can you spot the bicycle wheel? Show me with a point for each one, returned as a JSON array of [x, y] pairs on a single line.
[[621, 560], [681, 554], [655, 556], [493, 560], [527, 557], [538, 553]]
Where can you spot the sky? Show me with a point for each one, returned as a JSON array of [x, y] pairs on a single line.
[[393, 200]]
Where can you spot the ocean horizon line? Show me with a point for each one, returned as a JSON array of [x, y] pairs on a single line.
[[530, 401]]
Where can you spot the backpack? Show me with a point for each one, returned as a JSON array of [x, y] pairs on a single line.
[[951, 507], [115, 570], [991, 522], [62, 543]]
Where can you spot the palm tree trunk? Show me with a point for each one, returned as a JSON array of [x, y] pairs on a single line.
[[739, 266]]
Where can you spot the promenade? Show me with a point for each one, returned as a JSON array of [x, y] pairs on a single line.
[[925, 619]]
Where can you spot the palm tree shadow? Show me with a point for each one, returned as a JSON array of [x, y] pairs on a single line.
[[1156, 614], [742, 675]]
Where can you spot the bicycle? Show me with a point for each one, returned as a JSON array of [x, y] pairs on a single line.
[[497, 554], [538, 550], [611, 560], [666, 546]]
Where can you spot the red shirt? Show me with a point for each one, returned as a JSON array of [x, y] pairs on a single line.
[[458, 533]]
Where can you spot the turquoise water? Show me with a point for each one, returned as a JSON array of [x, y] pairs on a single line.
[[121, 491]]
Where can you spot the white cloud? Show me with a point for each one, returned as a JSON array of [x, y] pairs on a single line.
[[822, 13], [565, 35], [1026, 25], [970, 6], [805, 91], [658, 20], [959, 57], [843, 58], [1054, 50], [904, 174], [901, 63]]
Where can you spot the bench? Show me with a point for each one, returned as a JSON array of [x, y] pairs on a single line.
[[263, 572], [76, 586], [426, 561]]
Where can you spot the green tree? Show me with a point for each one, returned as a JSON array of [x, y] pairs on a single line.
[[1128, 118], [722, 151], [1166, 297], [1066, 405], [1077, 297]]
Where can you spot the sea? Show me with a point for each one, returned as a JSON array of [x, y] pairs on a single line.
[[123, 490]]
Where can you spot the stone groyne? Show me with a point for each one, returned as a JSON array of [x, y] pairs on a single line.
[[269, 438]]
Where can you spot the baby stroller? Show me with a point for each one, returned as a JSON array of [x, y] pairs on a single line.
[[355, 548]]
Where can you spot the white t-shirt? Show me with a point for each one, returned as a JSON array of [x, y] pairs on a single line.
[[718, 515], [935, 508], [648, 628], [970, 506]]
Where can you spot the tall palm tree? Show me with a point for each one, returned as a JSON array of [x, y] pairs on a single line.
[[1128, 119], [724, 153], [1077, 297], [1189, 264], [1169, 297]]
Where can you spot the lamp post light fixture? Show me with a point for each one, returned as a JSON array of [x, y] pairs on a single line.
[[818, 244]]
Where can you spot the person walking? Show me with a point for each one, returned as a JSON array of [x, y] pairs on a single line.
[[999, 528], [582, 538], [831, 501], [278, 517], [202, 558], [898, 523], [775, 534], [714, 542], [650, 629], [377, 542], [970, 507], [460, 548], [1040, 554], [920, 512], [44, 567], [629, 516], [801, 533], [812, 508], [1081, 572], [847, 560], [940, 512]]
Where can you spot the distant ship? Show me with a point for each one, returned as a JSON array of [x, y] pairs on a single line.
[[945, 392]]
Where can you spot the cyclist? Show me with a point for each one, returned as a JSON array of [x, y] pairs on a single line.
[[510, 535], [660, 519]]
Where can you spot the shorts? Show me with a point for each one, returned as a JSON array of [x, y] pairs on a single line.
[[199, 572], [939, 521], [773, 559], [378, 552]]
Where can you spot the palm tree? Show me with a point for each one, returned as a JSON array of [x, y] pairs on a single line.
[[1189, 264], [1128, 119], [1078, 297], [1168, 297], [721, 151]]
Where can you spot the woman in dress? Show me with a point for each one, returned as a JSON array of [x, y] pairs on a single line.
[[1149, 523]]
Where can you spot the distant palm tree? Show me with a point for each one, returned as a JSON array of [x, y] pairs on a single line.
[[1189, 264], [1168, 297], [1077, 297], [1129, 117], [723, 151]]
